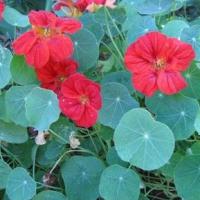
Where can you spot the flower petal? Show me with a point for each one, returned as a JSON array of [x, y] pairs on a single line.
[[89, 117], [68, 25], [42, 18], [170, 82], [60, 48], [38, 56], [146, 83], [71, 107], [24, 43]]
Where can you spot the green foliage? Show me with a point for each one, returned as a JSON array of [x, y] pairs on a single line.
[[5, 170], [142, 141], [49, 195], [119, 183]]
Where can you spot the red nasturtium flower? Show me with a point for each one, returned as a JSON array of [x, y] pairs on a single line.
[[47, 40], [156, 62], [80, 100], [53, 74], [2, 7]]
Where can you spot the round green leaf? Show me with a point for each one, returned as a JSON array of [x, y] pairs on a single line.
[[116, 102], [15, 104], [41, 108], [20, 186], [174, 28], [191, 35], [120, 77], [142, 141], [5, 60], [81, 176], [187, 177], [139, 26], [15, 18], [49, 195], [192, 75], [90, 23], [177, 111], [197, 123], [12, 133], [5, 170], [21, 72], [119, 183], [86, 49]]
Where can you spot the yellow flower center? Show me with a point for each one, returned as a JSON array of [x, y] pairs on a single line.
[[84, 99], [159, 63], [44, 32]]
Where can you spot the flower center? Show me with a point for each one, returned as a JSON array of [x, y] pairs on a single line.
[[159, 63], [44, 32], [84, 99]]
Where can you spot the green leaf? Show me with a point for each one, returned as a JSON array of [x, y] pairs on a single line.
[[90, 23], [12, 133], [192, 75], [21, 72], [177, 111], [5, 170], [15, 104], [187, 177], [174, 28], [116, 102], [5, 60], [113, 158], [120, 77], [41, 108], [168, 169], [146, 7], [3, 111], [197, 123], [20, 186], [15, 18], [140, 25], [81, 176], [142, 141], [49, 195], [119, 183], [63, 129], [191, 36], [86, 49]]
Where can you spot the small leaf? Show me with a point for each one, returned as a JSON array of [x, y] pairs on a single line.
[[15, 18], [142, 141], [15, 104], [49, 195], [174, 28], [41, 108], [116, 102], [5, 60], [5, 170], [177, 111], [21, 72], [86, 49], [20, 186], [187, 177], [119, 183], [81, 176], [12, 133]]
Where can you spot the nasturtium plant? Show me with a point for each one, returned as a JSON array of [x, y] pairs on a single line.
[[99, 99]]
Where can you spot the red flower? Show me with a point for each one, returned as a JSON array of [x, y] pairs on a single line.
[[54, 74], [2, 7], [80, 100], [156, 62], [47, 40]]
